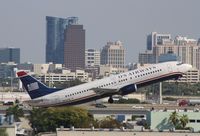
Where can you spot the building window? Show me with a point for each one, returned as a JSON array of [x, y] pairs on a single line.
[[192, 121]]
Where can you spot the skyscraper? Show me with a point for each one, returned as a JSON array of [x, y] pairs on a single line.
[[9, 54], [74, 47], [113, 54], [55, 28]]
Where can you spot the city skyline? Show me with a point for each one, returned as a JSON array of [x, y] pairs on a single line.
[[23, 23]]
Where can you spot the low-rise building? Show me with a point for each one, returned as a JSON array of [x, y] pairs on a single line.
[[39, 69], [115, 132], [192, 76], [7, 123], [146, 57], [107, 70], [66, 75], [159, 120]]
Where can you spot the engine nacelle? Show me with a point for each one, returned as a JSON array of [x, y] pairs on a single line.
[[128, 89]]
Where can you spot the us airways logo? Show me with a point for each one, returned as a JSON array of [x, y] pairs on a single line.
[[33, 86]]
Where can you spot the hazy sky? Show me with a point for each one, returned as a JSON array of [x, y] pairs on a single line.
[[23, 24]]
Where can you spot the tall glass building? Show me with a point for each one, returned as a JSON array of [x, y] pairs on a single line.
[[10, 54], [55, 28]]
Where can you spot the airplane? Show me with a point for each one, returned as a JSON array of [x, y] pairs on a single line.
[[120, 84]]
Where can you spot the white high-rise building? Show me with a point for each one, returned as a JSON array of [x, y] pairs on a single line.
[[113, 54], [188, 53], [92, 58]]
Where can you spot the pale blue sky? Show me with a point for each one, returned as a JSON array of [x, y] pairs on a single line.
[[23, 22]]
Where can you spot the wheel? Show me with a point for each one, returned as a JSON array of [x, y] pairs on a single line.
[[110, 100]]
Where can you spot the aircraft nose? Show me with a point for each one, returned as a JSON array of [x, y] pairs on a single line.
[[187, 66]]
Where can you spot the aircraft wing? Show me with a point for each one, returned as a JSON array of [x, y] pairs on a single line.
[[101, 91]]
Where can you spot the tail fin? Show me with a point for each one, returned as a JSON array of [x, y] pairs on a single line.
[[34, 87]]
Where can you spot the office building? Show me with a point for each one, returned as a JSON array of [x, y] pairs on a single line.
[[74, 47], [168, 57], [92, 62], [198, 43], [27, 66], [157, 39], [39, 69], [159, 120], [192, 76], [64, 75], [146, 57], [9, 54], [55, 28], [7, 70], [107, 70], [180, 40], [92, 57], [185, 53], [113, 54]]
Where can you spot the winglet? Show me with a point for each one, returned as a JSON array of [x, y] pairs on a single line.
[[21, 73]]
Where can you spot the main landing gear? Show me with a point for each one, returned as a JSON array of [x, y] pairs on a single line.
[[110, 100], [176, 80]]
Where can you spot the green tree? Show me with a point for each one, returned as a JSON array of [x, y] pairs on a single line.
[[16, 111], [184, 120], [3, 132], [48, 119], [174, 118], [109, 122]]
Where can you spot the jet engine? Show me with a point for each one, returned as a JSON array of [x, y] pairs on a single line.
[[128, 89]]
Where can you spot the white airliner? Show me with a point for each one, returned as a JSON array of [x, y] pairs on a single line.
[[122, 84]]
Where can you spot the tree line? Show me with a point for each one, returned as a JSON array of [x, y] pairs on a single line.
[[48, 119]]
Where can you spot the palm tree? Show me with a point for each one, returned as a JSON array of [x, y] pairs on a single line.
[[174, 118], [184, 120]]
